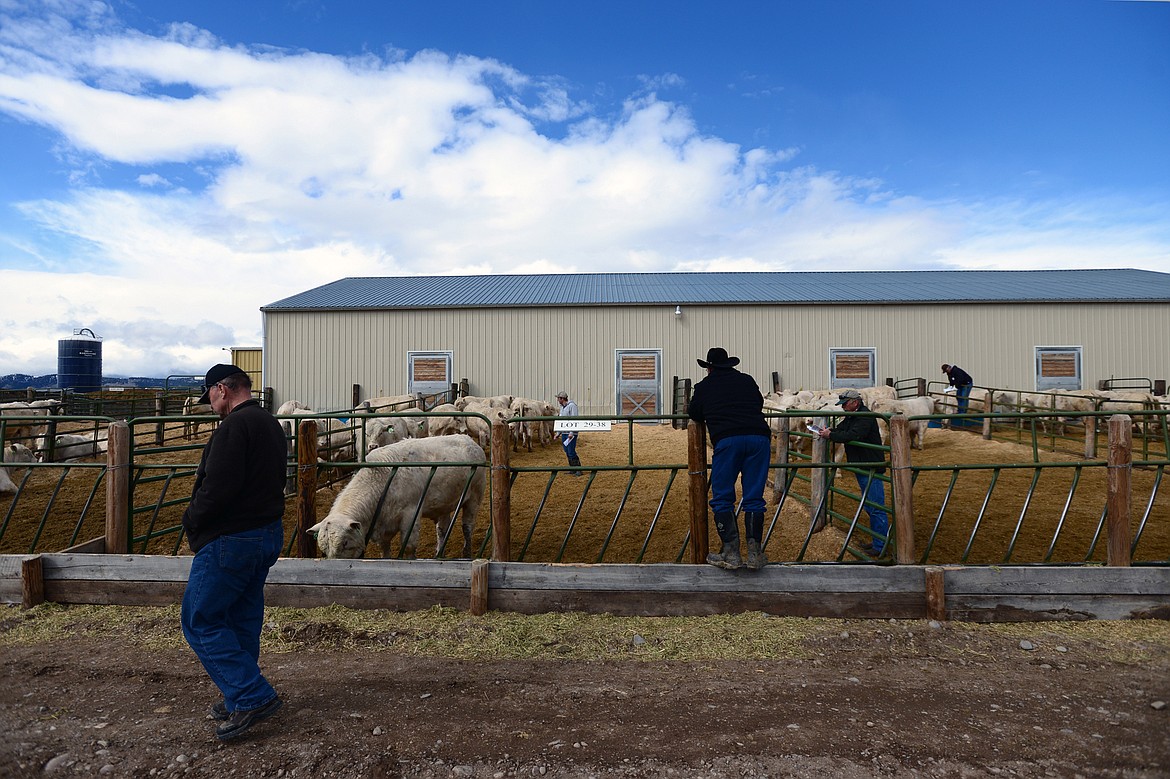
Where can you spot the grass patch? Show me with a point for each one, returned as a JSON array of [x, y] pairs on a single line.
[[447, 632]]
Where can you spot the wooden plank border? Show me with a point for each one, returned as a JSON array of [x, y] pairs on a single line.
[[972, 593]]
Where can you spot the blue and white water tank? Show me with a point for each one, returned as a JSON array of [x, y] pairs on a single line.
[[79, 362]]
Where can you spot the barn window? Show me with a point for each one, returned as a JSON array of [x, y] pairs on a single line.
[[1058, 367], [429, 374], [639, 389], [852, 367]]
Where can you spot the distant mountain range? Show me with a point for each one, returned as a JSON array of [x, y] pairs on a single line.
[[24, 381]]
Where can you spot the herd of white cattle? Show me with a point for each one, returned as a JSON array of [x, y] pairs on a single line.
[[1059, 408], [343, 440], [26, 438]]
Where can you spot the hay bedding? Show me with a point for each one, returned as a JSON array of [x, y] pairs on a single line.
[[649, 527]]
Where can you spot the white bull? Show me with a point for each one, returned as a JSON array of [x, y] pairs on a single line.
[[911, 407], [380, 503], [14, 453]]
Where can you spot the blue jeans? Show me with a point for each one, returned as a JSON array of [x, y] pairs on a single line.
[[223, 612], [748, 457], [962, 395], [569, 442], [870, 485]]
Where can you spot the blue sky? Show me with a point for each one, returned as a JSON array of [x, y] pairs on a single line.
[[170, 167]]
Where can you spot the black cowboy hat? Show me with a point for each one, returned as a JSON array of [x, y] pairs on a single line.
[[717, 358]]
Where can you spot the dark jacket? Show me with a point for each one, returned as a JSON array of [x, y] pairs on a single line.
[[959, 377], [730, 404], [853, 430], [240, 481]]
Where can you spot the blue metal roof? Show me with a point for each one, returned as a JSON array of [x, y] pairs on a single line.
[[619, 289]]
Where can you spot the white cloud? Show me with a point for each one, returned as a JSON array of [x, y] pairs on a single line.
[[304, 168], [152, 180]]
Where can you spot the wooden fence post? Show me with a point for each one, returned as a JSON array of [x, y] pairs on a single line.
[[501, 494], [780, 476], [902, 477], [160, 410], [1119, 497], [32, 582], [479, 587], [306, 487], [118, 488], [936, 597], [1090, 437], [818, 504], [697, 495]]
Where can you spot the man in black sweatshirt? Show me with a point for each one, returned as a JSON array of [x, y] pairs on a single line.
[[730, 404], [233, 526]]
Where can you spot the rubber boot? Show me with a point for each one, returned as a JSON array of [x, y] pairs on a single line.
[[576, 463], [753, 522], [727, 557]]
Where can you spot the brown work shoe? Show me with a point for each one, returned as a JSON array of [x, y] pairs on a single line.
[[728, 557], [756, 559]]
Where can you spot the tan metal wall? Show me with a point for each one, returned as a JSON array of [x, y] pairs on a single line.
[[250, 359], [315, 357]]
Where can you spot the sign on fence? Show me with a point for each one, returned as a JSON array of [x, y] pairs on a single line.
[[577, 425]]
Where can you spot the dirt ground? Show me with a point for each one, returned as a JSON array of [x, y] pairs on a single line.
[[101, 691]]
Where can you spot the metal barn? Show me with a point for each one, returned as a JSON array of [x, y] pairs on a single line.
[[615, 341]]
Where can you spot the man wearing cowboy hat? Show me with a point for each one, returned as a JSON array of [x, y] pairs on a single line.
[[729, 403]]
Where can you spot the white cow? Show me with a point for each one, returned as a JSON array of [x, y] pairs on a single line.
[[388, 403], [920, 405], [1072, 401], [390, 429], [14, 453], [495, 401], [814, 403], [1122, 401], [380, 503], [290, 406], [870, 395], [438, 424], [479, 429], [383, 431], [335, 439], [524, 433], [29, 432], [72, 447], [191, 408]]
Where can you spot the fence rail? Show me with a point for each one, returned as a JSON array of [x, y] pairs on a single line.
[[1108, 509], [975, 594]]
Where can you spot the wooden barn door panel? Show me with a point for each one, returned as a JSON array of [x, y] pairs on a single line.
[[1058, 367], [639, 386], [852, 368], [430, 373]]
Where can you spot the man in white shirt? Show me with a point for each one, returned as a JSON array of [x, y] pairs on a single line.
[[569, 437]]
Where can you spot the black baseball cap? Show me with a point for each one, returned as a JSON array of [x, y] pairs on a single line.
[[214, 376]]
